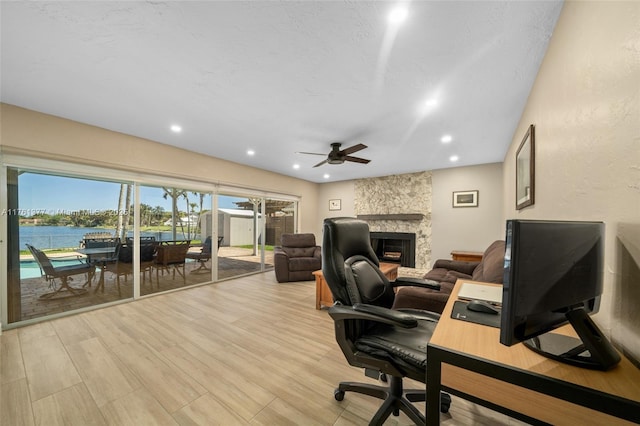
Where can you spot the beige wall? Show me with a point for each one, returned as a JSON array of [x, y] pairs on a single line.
[[467, 228], [343, 191], [585, 105], [51, 137], [451, 229]]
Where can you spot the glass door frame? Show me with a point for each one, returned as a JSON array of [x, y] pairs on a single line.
[[83, 171]]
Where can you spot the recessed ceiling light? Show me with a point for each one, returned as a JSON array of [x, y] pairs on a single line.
[[398, 15], [296, 166], [453, 158], [446, 139], [326, 176], [176, 128], [250, 152], [428, 105]]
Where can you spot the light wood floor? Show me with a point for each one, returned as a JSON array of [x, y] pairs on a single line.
[[244, 351]]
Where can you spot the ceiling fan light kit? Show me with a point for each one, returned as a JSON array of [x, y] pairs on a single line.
[[338, 156]]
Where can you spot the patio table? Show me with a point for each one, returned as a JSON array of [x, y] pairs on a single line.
[[105, 253]]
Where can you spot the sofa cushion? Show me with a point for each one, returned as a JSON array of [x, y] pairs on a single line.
[[491, 268], [445, 275]]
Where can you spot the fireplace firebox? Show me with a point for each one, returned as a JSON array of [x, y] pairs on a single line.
[[395, 247]]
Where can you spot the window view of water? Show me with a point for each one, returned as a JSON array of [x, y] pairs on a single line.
[[49, 237]]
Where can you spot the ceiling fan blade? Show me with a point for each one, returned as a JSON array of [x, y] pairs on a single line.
[[320, 163], [354, 148], [309, 153], [357, 159]]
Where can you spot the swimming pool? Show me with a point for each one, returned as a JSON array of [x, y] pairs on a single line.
[[31, 269]]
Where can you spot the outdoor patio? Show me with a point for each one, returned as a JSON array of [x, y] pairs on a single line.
[[232, 262]]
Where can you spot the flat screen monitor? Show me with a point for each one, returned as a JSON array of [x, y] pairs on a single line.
[[553, 274]]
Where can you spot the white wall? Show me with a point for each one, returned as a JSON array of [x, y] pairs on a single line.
[[466, 228], [585, 105]]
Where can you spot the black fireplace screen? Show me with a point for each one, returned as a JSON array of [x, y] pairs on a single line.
[[395, 247]]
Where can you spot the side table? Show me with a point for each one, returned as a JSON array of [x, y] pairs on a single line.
[[323, 294], [467, 256]]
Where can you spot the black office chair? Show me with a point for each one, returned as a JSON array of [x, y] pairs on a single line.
[[388, 344]]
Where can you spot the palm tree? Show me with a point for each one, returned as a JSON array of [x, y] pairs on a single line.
[[124, 210], [145, 214], [174, 194], [201, 196]]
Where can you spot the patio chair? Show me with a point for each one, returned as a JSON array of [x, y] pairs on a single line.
[[203, 256], [123, 266], [64, 273], [171, 256]]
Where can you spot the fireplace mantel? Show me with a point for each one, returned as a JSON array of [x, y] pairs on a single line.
[[392, 216]]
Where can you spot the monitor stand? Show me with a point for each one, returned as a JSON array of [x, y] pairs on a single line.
[[591, 350]]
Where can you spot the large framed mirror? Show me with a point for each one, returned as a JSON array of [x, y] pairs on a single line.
[[525, 170]]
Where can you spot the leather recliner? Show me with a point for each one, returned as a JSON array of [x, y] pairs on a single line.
[[297, 258]]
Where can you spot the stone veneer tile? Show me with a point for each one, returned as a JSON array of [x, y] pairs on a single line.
[[397, 194]]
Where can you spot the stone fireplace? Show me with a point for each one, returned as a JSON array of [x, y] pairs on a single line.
[[398, 204]]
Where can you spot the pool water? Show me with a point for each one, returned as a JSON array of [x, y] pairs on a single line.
[[30, 268]]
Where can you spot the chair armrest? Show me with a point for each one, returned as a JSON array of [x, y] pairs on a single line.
[[416, 282], [278, 251], [362, 311]]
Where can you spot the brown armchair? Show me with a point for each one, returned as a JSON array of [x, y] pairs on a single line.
[[445, 271], [297, 258]]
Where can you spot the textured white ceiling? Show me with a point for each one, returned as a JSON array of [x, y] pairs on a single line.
[[280, 77]]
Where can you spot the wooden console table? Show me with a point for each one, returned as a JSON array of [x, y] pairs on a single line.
[[467, 256], [323, 294]]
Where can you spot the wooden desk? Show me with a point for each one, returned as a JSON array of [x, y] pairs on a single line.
[[323, 294], [467, 256], [467, 359]]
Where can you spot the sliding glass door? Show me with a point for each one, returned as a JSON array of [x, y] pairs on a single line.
[[63, 235], [75, 240], [175, 238], [248, 230]]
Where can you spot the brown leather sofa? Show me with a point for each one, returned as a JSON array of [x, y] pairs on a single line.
[[296, 258], [445, 271]]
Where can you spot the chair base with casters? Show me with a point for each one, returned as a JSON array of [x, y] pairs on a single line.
[[395, 398]]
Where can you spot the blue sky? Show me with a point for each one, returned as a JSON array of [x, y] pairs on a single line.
[[56, 194]]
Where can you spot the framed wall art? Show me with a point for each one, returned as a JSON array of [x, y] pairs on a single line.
[[525, 170], [465, 198]]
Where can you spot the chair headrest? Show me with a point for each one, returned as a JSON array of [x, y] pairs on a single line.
[[343, 238]]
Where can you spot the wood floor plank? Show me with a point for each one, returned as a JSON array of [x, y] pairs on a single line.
[[69, 407], [47, 366], [137, 408], [15, 404], [105, 376], [279, 412], [240, 394], [11, 365], [207, 411], [165, 382], [73, 329], [248, 350]]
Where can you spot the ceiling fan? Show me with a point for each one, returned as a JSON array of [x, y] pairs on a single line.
[[339, 156]]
